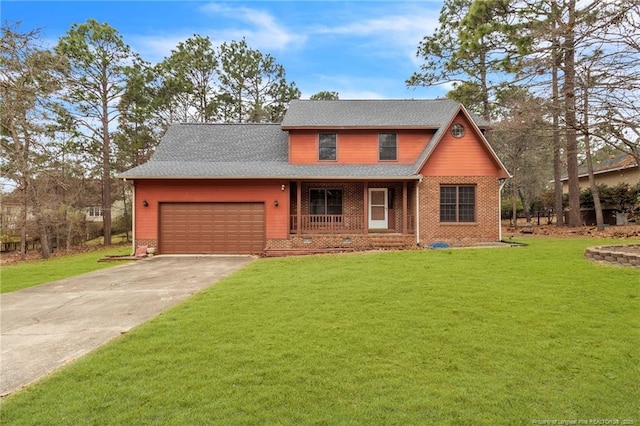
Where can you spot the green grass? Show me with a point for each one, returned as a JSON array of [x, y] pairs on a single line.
[[31, 273], [487, 336]]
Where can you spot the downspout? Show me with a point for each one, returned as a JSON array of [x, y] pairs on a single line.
[[502, 184], [133, 217], [418, 212]]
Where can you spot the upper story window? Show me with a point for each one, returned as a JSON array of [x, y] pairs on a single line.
[[457, 130], [95, 211], [387, 146], [327, 143]]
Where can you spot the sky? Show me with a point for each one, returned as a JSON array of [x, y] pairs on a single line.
[[360, 49]]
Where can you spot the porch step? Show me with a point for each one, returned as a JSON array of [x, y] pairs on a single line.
[[304, 251], [388, 242]]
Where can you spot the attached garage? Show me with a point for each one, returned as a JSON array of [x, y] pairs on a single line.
[[211, 228]]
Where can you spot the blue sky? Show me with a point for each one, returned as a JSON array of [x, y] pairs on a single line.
[[360, 49]]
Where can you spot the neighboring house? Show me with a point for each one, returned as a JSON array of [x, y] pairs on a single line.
[[94, 213], [622, 168], [339, 175], [11, 214]]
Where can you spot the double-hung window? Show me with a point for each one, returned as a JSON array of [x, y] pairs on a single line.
[[457, 203], [327, 143], [325, 201], [387, 147], [95, 211]]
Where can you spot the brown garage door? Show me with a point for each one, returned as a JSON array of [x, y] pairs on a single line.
[[196, 228]]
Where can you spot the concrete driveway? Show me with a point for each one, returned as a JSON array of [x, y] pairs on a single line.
[[45, 327]]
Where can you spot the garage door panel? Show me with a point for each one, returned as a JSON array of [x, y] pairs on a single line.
[[194, 228]]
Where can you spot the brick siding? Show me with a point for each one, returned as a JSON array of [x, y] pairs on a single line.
[[344, 241], [146, 242], [484, 229]]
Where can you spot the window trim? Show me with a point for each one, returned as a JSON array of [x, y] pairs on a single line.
[[395, 146], [326, 205], [458, 130], [335, 146], [458, 204], [95, 211]]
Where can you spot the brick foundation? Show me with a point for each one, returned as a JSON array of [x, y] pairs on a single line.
[[148, 243], [347, 241]]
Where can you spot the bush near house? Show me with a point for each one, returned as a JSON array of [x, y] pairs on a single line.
[[622, 196]]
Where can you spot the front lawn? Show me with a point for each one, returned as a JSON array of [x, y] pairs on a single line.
[[476, 336], [35, 272]]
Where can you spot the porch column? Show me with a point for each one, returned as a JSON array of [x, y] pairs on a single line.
[[405, 205], [299, 207], [365, 197]]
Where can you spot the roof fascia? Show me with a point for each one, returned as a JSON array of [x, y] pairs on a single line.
[[600, 172], [292, 177], [382, 127]]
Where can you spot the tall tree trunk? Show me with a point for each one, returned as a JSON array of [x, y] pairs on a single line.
[[570, 116], [70, 225], [45, 246], [486, 108], [106, 168], [597, 205], [514, 201], [42, 222], [557, 146], [24, 215]]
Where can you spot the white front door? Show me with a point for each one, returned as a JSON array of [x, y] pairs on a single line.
[[378, 208]]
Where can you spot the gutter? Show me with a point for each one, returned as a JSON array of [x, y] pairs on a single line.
[[418, 211], [318, 178], [503, 182]]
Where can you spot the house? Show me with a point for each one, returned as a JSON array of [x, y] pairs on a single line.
[[612, 171], [94, 212], [621, 168], [334, 175], [11, 208]]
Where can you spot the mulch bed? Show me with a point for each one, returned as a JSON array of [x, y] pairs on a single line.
[[625, 231]]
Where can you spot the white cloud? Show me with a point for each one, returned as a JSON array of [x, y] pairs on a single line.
[[388, 35], [262, 30], [154, 48]]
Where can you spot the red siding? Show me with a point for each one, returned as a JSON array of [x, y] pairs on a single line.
[[357, 146], [157, 191], [465, 156]]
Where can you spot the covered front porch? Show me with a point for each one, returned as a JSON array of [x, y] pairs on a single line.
[[352, 208]]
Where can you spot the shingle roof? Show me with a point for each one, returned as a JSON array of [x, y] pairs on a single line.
[[264, 170], [611, 164], [387, 113], [243, 151], [223, 143], [618, 162]]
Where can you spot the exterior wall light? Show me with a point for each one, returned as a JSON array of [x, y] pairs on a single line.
[[144, 203], [283, 186], [275, 203]]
